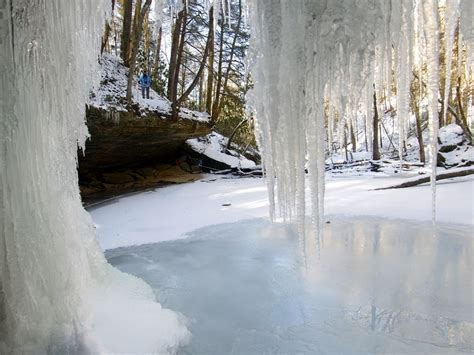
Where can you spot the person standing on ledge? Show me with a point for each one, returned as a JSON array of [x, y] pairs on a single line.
[[145, 83]]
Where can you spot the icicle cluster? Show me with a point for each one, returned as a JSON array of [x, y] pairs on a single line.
[[307, 52]]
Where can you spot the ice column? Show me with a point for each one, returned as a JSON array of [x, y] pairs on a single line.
[[47, 245], [57, 292]]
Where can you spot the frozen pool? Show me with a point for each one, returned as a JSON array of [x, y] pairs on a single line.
[[376, 286]]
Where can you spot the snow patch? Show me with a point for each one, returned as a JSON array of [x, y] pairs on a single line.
[[213, 146], [454, 147]]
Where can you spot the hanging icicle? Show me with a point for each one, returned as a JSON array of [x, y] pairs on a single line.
[[304, 53]]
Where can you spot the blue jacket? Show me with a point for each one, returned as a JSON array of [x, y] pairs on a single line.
[[145, 81]]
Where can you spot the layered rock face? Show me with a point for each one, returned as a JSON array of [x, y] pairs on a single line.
[[121, 139], [127, 152]]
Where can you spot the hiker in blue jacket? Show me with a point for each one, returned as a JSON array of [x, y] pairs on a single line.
[[145, 83]]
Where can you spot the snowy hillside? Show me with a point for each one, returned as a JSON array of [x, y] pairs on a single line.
[[110, 93]]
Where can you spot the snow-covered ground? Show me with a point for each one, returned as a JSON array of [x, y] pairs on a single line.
[[171, 212]]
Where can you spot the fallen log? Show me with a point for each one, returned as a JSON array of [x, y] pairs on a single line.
[[442, 176]]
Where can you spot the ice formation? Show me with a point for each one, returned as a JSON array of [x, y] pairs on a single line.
[[337, 51], [57, 293]]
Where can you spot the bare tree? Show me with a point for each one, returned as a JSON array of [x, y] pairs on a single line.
[[210, 74], [126, 31], [179, 59], [203, 61], [137, 34], [219, 102], [156, 66], [174, 52]]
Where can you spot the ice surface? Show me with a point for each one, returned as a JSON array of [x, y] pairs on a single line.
[[378, 286], [57, 293]]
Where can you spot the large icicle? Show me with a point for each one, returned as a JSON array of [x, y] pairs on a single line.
[[431, 32], [404, 71], [58, 295]]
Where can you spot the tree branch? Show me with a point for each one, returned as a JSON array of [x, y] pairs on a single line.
[[442, 176]]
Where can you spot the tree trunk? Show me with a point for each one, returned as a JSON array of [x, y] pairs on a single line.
[[146, 43], [375, 129], [229, 142], [105, 38], [232, 50], [353, 138], [135, 27], [183, 75], [156, 66], [126, 30], [346, 154], [442, 176], [215, 104], [179, 59], [419, 135], [462, 121], [201, 92], [441, 113], [174, 53], [203, 61], [137, 33], [210, 72]]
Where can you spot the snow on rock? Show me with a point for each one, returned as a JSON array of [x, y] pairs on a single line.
[[454, 149], [110, 93], [213, 147], [451, 134]]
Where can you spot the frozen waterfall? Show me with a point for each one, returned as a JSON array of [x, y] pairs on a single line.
[[57, 293]]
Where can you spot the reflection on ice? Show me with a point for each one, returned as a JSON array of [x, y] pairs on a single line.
[[376, 286]]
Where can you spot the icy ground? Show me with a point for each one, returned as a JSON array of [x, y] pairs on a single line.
[[381, 282], [171, 212]]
